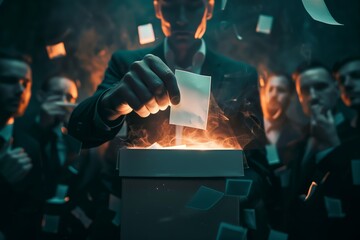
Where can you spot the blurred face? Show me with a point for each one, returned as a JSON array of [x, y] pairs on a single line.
[[64, 91], [349, 81], [15, 87], [316, 87], [183, 21], [276, 97]]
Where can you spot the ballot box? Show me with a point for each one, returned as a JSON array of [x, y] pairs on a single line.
[[177, 193]]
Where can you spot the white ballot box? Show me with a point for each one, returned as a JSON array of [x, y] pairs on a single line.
[[177, 193]]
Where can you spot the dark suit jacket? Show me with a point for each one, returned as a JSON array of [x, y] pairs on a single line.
[[309, 219], [21, 204]]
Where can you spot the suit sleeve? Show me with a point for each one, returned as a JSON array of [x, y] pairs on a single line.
[[84, 123]]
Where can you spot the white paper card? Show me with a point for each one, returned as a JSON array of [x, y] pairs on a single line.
[[114, 203], [193, 109], [146, 33], [319, 11], [223, 4], [57, 50], [81, 215], [264, 24], [250, 218], [334, 207], [61, 192], [272, 154]]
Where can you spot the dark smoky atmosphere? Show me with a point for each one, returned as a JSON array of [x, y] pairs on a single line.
[[179, 119]]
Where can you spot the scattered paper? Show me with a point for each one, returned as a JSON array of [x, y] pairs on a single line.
[[277, 235], [116, 219], [228, 231], [60, 195], [193, 109], [146, 33], [238, 187], [319, 11], [81, 215], [334, 207], [355, 169], [236, 32], [50, 223], [264, 24], [272, 154], [250, 218], [57, 50], [205, 198], [114, 203], [223, 4]]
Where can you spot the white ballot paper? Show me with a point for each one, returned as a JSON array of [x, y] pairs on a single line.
[[146, 33], [319, 11], [264, 24], [193, 109]]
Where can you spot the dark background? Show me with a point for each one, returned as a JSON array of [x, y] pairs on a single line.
[[93, 29]]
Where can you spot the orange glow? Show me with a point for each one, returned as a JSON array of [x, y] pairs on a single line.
[[218, 135]]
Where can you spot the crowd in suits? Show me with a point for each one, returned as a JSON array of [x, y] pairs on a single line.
[[58, 177]]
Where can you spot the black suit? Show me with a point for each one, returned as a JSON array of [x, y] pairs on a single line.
[[21, 203]]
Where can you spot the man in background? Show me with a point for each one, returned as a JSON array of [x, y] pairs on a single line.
[[21, 177]]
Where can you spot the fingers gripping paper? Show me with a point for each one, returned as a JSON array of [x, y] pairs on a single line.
[[193, 109]]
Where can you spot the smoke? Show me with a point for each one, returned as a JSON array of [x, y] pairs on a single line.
[[218, 135]]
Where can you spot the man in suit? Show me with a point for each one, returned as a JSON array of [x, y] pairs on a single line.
[[20, 166], [312, 171], [347, 72], [275, 99], [139, 86]]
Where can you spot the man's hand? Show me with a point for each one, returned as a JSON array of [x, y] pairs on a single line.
[[323, 127], [148, 87], [54, 108], [15, 164]]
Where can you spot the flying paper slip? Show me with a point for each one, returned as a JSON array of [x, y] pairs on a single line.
[[193, 109], [319, 11]]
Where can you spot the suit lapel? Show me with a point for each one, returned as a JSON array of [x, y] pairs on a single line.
[[212, 67]]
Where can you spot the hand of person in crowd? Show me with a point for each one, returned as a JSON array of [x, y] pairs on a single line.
[[15, 164], [54, 107], [148, 87], [323, 127]]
